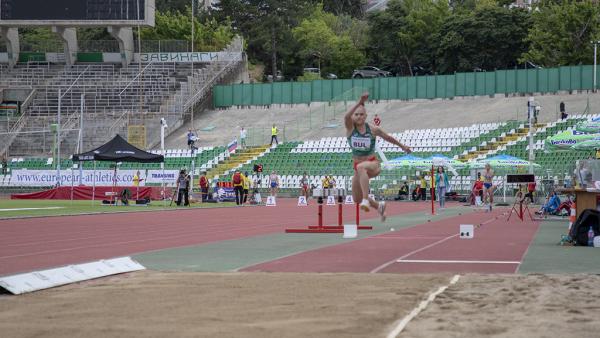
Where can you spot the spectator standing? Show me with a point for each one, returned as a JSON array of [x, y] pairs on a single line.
[[325, 182], [238, 187], [563, 112], [423, 189], [243, 134], [376, 120], [274, 183], [4, 165], [136, 183], [191, 139], [203, 183], [274, 132], [442, 186], [246, 187], [530, 190], [183, 182], [304, 188]]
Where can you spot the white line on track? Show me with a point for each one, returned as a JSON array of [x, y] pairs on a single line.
[[402, 323], [41, 208], [385, 265], [454, 262]]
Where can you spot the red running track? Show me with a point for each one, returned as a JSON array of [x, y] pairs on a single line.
[[496, 240], [40, 243]]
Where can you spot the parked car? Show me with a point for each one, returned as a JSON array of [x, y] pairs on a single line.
[[369, 71]]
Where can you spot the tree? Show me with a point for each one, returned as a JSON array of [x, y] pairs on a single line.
[[486, 39], [561, 33], [416, 40], [208, 35], [353, 8], [324, 37], [404, 34], [267, 26], [172, 5], [382, 48]]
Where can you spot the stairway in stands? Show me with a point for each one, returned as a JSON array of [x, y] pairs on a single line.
[[237, 158], [497, 142]]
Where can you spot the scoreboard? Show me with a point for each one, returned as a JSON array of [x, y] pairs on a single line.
[[76, 12]]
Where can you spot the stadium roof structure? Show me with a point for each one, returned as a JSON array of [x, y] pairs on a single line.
[[119, 150]]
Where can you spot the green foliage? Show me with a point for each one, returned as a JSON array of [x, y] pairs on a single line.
[[353, 8], [325, 39], [267, 25], [309, 76], [488, 38], [405, 34], [208, 35], [40, 39], [172, 5], [561, 33]]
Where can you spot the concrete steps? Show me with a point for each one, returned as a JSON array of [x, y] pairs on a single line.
[[237, 158]]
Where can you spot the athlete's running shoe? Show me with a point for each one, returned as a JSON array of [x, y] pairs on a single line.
[[364, 205], [381, 211]]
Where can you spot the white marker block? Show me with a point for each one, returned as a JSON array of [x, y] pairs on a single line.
[[350, 231], [372, 196], [258, 198], [466, 231], [271, 201], [349, 200], [302, 201], [330, 200]]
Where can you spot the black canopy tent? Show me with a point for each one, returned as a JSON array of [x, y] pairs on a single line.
[[117, 150]]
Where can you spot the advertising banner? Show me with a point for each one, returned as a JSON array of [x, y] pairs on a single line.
[[44, 178], [158, 176]]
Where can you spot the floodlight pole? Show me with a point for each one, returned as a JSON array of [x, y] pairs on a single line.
[[595, 72], [192, 79], [58, 139], [163, 126], [81, 138], [531, 111]]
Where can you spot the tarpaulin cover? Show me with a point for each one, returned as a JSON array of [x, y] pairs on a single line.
[[85, 193]]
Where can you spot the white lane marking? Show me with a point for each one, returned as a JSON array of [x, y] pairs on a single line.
[[402, 323], [454, 262]]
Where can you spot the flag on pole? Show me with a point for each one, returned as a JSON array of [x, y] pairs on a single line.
[[232, 146]]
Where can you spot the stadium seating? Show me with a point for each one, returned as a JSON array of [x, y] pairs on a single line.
[[332, 156]]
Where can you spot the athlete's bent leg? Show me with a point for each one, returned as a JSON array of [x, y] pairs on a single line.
[[356, 189]]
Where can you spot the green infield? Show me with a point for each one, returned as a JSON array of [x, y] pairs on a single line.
[[38, 208]]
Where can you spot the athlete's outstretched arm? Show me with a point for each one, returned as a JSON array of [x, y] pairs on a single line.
[[348, 117], [377, 131]]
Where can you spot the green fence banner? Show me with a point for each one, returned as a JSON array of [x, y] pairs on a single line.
[[513, 81]]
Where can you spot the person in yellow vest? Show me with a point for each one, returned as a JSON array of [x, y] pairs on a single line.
[[325, 182], [433, 184], [238, 187], [246, 186], [136, 183], [423, 190], [274, 132]]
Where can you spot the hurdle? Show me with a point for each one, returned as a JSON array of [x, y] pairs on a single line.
[[339, 228]]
